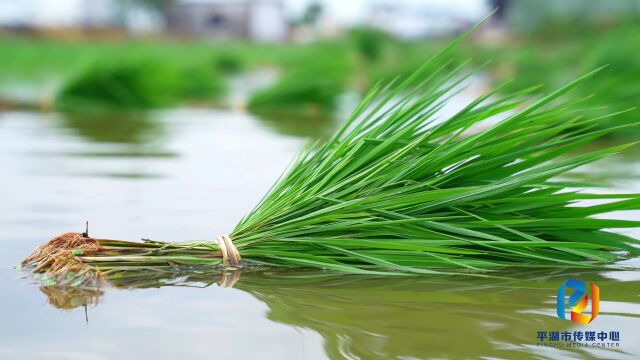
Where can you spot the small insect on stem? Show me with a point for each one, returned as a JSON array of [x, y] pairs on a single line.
[[85, 234]]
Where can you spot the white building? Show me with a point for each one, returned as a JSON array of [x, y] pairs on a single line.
[[258, 20], [86, 14], [407, 19], [54, 13]]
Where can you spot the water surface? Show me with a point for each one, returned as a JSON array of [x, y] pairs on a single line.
[[191, 174]]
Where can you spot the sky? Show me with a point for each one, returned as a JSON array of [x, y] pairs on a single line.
[[61, 12], [46, 12]]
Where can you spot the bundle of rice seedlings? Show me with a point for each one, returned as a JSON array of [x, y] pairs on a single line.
[[369, 42], [139, 84], [229, 62], [400, 190], [312, 86]]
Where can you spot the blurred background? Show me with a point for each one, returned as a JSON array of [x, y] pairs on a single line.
[[295, 64], [169, 120]]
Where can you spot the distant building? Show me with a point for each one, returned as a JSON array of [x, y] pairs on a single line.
[[536, 14], [58, 13], [257, 20], [412, 19], [123, 15]]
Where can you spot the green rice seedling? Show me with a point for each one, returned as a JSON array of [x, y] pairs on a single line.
[[138, 84], [312, 87], [127, 85], [369, 42], [229, 63], [399, 189], [199, 83]]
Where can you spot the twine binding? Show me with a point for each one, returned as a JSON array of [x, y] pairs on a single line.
[[230, 254]]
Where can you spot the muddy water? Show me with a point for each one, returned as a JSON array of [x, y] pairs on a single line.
[[191, 174]]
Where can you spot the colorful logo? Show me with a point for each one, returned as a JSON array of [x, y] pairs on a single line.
[[578, 301]]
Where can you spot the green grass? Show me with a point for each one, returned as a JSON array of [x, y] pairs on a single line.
[[398, 191]]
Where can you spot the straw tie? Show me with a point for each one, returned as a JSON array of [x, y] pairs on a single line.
[[230, 254]]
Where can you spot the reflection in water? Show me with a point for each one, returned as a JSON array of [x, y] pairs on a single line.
[[114, 139], [121, 127], [616, 173], [309, 121], [308, 124], [406, 317], [70, 298]]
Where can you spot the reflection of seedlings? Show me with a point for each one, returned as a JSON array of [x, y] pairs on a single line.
[[126, 153], [124, 175], [130, 135], [62, 296], [71, 298], [297, 124], [377, 316], [12, 104], [130, 128]]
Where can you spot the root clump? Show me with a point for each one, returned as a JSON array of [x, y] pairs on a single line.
[[59, 257]]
